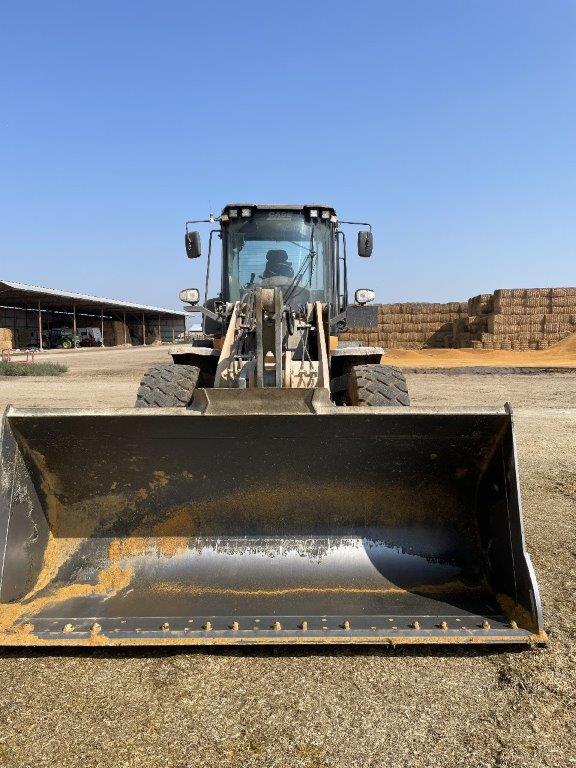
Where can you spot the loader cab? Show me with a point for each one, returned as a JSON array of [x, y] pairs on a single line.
[[289, 247], [300, 249]]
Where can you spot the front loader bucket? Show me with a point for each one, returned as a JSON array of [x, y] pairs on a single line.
[[350, 525]]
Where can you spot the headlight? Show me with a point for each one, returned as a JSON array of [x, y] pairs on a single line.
[[364, 295], [233, 213], [246, 212], [190, 295]]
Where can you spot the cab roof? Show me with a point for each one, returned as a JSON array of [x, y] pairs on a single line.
[[279, 206]]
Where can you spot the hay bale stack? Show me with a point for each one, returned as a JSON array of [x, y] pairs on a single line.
[[530, 318], [412, 325], [510, 318], [6, 338], [121, 333], [483, 304], [108, 334], [114, 333], [153, 337]]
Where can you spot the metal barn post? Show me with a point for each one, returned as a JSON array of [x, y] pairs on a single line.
[[40, 344]]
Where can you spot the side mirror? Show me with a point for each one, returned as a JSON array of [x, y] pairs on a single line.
[[193, 244], [190, 295], [365, 243]]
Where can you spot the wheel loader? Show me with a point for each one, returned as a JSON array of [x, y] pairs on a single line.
[[272, 484]]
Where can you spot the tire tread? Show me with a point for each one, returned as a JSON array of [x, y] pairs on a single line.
[[377, 385], [167, 386]]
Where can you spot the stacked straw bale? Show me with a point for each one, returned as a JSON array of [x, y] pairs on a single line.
[[411, 326], [481, 305], [6, 338], [511, 318], [114, 333], [528, 318]]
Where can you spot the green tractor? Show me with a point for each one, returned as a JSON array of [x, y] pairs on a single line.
[[62, 338]]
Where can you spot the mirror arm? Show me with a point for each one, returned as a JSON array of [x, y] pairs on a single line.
[[203, 311], [358, 224], [201, 221]]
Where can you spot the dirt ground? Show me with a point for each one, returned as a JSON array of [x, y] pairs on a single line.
[[562, 354], [376, 707], [95, 379], [109, 377]]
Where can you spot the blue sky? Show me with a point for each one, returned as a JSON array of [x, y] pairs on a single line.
[[449, 124]]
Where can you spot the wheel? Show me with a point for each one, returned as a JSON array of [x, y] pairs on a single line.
[[66, 344], [167, 386], [377, 385]]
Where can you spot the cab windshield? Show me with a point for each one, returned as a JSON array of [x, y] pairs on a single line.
[[279, 249]]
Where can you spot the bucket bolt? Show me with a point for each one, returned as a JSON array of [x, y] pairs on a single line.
[[95, 628], [415, 625], [207, 626], [304, 626], [235, 626], [277, 626], [165, 627], [68, 628], [443, 625], [485, 624], [513, 625], [346, 625]]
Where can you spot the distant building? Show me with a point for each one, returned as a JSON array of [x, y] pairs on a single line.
[[33, 316]]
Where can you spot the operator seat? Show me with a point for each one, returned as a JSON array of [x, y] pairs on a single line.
[[277, 265]]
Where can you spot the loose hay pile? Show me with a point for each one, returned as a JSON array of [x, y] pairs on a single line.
[[515, 318]]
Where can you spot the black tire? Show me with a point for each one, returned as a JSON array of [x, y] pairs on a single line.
[[377, 386], [167, 386]]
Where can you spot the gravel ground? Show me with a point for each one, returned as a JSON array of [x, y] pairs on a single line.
[[325, 707]]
